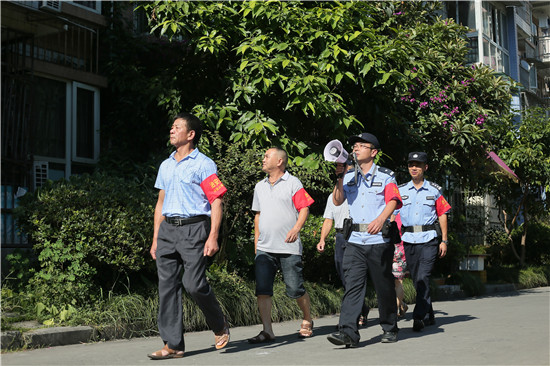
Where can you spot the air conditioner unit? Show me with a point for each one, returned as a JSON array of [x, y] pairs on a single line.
[[50, 5], [543, 22], [40, 173]]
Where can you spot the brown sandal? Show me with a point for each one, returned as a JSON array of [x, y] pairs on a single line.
[[222, 337], [306, 329], [165, 353]]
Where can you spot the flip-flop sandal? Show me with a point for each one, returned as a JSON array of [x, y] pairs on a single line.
[[306, 329], [165, 354], [262, 337], [222, 338]]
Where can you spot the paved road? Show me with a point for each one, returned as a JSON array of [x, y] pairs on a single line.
[[503, 329]]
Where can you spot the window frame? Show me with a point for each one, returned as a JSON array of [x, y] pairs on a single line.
[[74, 122]]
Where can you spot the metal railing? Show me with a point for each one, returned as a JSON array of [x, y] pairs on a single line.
[[544, 48]]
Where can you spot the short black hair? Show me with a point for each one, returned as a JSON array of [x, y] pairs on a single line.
[[282, 154], [193, 124]]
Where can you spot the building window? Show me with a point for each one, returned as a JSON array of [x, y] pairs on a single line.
[[94, 6], [10, 233], [85, 123], [49, 120], [494, 25], [66, 124], [463, 12]]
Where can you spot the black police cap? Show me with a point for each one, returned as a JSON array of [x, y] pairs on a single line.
[[365, 137], [418, 156]]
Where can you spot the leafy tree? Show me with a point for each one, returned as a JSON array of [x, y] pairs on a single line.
[[297, 74], [526, 149]]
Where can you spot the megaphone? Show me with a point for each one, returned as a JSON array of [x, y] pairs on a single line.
[[335, 152]]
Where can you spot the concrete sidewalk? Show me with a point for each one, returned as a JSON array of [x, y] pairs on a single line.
[[510, 328]]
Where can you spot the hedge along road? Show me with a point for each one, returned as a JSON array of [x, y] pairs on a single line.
[[509, 328]]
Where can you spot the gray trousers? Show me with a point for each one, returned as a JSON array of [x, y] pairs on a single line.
[[181, 247]]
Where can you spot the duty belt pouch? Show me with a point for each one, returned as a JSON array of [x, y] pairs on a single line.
[[346, 228], [391, 231]]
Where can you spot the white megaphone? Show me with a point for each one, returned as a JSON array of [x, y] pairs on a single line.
[[335, 152]]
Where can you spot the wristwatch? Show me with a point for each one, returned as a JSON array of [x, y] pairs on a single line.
[[445, 241]]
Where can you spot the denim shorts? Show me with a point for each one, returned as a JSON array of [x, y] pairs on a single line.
[[291, 266]]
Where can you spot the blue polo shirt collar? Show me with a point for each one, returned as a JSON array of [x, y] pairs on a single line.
[[192, 155]]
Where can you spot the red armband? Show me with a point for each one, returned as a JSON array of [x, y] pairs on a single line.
[[391, 192], [302, 199], [213, 188], [442, 206]]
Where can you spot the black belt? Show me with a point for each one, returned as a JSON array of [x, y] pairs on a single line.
[[339, 231], [417, 228], [180, 221]]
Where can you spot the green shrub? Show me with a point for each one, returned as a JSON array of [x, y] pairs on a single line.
[[499, 249], [21, 264], [88, 233], [531, 277], [469, 283], [502, 274], [537, 246], [449, 264]]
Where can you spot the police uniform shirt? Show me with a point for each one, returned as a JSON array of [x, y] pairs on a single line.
[[190, 185], [336, 213], [367, 199], [421, 207]]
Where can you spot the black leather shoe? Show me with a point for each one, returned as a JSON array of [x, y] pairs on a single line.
[[418, 325], [389, 337], [341, 339], [429, 321]]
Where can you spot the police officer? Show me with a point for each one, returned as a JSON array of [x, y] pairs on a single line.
[[424, 209], [337, 214], [372, 197]]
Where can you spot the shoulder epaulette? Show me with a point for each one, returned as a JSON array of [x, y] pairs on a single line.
[[402, 185], [436, 186], [386, 171]]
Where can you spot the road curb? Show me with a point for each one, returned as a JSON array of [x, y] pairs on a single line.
[[47, 337]]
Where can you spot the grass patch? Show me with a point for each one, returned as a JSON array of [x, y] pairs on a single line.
[[533, 277]]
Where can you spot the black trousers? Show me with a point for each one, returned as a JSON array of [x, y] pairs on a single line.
[[181, 247], [339, 250], [376, 260], [420, 262]]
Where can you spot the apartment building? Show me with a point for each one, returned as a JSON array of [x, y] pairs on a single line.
[[513, 38], [51, 85]]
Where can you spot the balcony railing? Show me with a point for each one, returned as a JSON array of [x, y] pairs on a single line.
[[544, 48]]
